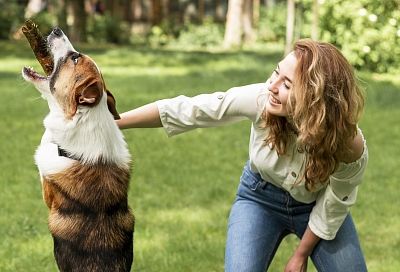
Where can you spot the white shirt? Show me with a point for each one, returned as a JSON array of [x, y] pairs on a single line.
[[181, 114]]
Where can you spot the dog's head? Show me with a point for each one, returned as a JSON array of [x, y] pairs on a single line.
[[76, 81]]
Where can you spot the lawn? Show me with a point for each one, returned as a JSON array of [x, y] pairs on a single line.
[[182, 187]]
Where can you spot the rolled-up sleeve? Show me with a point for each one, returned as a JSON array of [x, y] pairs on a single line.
[[182, 113], [333, 203]]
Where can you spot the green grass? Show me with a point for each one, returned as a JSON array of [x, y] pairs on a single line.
[[182, 187]]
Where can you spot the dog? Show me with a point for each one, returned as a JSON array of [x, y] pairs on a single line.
[[84, 164]]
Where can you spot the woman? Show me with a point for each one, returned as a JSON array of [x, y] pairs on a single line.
[[306, 158]]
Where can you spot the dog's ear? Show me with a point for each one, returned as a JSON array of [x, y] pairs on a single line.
[[90, 94], [111, 105]]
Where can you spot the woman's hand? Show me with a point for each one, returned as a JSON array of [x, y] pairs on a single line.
[[297, 263]]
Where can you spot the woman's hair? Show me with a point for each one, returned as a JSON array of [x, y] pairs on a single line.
[[324, 106]]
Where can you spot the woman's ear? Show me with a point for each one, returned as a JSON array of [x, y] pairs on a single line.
[[111, 105]]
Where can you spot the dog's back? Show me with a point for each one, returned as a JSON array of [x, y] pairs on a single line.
[[89, 218]]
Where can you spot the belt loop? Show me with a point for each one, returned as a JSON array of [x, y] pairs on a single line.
[[263, 184]]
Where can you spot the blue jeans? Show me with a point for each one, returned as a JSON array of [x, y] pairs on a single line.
[[263, 214]]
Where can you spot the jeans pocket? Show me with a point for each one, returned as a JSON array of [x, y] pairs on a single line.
[[250, 180]]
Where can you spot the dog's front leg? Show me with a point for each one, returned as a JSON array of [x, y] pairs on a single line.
[[47, 191]]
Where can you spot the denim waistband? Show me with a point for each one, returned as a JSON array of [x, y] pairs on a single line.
[[266, 191], [257, 181]]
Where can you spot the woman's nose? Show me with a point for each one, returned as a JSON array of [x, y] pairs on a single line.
[[274, 86]]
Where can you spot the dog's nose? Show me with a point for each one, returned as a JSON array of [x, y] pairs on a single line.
[[57, 31]]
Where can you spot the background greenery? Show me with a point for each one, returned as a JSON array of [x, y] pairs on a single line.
[[182, 187], [367, 31]]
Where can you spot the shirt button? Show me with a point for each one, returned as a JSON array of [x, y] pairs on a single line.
[[220, 96], [293, 174], [345, 198]]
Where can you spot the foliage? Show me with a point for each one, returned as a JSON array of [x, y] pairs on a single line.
[[158, 36], [45, 20], [11, 15], [207, 34], [105, 28], [189, 36], [272, 25], [368, 32]]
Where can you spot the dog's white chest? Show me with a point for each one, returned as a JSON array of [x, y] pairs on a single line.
[[47, 159]]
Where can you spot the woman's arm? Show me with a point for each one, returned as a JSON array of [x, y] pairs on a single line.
[[298, 262], [146, 116], [181, 114]]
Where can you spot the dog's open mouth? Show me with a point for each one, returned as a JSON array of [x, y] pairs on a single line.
[[39, 47], [32, 74]]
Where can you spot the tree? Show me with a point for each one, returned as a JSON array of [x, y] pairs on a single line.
[[137, 10], [156, 12], [247, 22], [233, 27], [78, 28], [269, 3], [289, 25], [256, 12], [315, 19], [34, 7], [61, 11], [219, 11], [201, 7], [239, 23]]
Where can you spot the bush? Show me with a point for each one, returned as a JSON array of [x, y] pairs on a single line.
[[208, 34], [105, 28], [11, 16], [45, 20], [272, 25], [368, 32], [190, 36]]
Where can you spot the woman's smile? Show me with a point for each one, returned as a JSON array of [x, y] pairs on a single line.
[[273, 100]]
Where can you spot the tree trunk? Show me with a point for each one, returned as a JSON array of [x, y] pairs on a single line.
[[34, 7], [289, 25], [78, 28], [315, 19], [128, 11], [233, 27], [165, 8], [201, 10], [137, 10], [247, 17], [256, 12], [156, 12], [219, 11], [269, 3], [299, 13], [115, 8], [61, 12]]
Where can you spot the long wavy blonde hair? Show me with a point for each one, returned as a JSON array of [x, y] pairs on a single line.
[[324, 105]]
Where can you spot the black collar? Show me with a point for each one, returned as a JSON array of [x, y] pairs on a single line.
[[65, 153]]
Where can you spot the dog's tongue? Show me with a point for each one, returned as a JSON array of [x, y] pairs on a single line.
[[39, 46]]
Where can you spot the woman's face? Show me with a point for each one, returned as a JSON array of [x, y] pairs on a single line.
[[279, 86]]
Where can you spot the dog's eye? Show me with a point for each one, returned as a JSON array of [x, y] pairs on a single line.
[[75, 57]]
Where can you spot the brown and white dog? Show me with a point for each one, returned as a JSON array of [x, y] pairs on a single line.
[[84, 164]]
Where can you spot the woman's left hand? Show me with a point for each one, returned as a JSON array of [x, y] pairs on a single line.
[[297, 263]]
